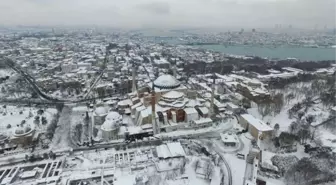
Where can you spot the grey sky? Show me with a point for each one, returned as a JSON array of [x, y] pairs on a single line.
[[169, 13]]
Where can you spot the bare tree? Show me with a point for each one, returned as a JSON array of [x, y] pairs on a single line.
[[154, 179], [276, 126], [196, 164], [208, 169], [78, 131], [183, 165], [293, 127], [303, 135], [303, 172]]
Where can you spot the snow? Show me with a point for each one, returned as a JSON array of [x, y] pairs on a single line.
[[327, 138], [125, 102], [237, 168], [170, 150], [291, 69], [280, 75], [166, 81], [266, 162], [28, 174], [176, 149], [282, 118], [258, 124], [16, 118], [100, 111], [229, 138], [163, 151], [173, 95], [5, 72], [203, 120]]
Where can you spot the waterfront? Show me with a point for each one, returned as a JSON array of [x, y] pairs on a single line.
[[283, 52]]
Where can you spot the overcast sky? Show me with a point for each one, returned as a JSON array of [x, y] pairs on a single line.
[[169, 13]]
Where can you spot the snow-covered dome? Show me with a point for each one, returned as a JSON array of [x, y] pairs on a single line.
[[22, 130], [19, 131], [112, 121], [100, 111], [3, 137], [166, 82], [173, 95]]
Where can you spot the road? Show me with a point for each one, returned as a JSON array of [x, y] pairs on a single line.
[[62, 137], [220, 153], [45, 96]]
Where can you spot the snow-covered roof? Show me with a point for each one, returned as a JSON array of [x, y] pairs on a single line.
[[28, 174], [166, 82], [229, 138], [176, 149], [203, 120], [125, 102], [170, 150], [258, 124], [204, 110], [292, 69], [190, 111]]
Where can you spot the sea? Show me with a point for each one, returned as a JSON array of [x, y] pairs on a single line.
[[301, 53], [280, 52]]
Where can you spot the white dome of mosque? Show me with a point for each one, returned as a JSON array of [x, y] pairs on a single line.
[[166, 82], [173, 95], [112, 121], [100, 111]]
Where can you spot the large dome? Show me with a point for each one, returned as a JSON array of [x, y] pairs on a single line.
[[100, 111], [112, 121], [173, 95], [166, 82]]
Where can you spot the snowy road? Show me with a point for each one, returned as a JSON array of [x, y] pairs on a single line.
[[62, 137], [228, 168]]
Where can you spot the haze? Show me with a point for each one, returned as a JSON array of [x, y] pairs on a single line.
[[170, 13]]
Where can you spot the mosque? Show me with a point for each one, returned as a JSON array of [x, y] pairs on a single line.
[[169, 106]]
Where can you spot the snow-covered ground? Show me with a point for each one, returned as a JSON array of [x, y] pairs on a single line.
[[326, 137], [91, 163], [14, 115], [6, 72]]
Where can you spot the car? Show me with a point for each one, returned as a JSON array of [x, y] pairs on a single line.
[[240, 156]]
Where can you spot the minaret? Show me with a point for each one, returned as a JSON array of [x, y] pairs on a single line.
[[174, 69], [134, 88], [212, 111], [155, 129]]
